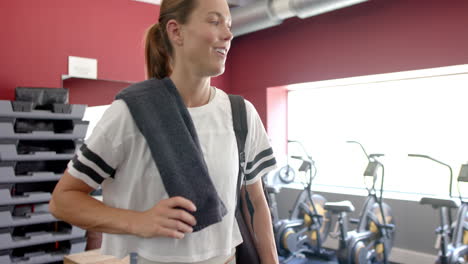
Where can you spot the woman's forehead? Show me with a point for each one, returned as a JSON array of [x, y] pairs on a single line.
[[217, 8]]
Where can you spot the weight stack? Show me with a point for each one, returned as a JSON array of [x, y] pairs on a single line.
[[39, 133]]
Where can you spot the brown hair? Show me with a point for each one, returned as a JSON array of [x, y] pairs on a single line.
[[158, 50]]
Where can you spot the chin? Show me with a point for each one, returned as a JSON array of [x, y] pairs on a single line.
[[217, 72]]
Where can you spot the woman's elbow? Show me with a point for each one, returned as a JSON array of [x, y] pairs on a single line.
[[57, 207], [53, 208], [61, 201]]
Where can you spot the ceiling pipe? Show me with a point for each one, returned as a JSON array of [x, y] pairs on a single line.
[[253, 17], [268, 13]]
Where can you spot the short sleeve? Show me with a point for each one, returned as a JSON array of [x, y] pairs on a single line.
[[258, 151], [98, 158]]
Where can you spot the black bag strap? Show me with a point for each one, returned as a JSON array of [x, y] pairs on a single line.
[[239, 121], [245, 252]]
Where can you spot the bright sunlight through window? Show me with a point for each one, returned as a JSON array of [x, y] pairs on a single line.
[[422, 112]]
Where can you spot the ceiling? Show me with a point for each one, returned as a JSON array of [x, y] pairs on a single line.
[[253, 15], [232, 3]]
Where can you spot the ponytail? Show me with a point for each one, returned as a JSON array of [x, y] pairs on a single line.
[[157, 53], [158, 48]]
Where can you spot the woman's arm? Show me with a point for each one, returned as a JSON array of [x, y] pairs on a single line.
[[263, 228], [72, 203]]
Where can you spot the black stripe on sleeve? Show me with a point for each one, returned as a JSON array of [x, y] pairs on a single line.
[[79, 166], [261, 155], [266, 164], [90, 155]]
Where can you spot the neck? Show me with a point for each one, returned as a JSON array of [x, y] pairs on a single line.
[[195, 91]]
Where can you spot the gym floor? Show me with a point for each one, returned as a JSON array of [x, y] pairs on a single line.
[[309, 261], [314, 261]]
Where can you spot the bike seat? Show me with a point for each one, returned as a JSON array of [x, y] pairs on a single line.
[[338, 207], [439, 202], [273, 188]]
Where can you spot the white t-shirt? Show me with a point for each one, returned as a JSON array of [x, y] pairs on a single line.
[[117, 157]]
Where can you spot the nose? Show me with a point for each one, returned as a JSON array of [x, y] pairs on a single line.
[[228, 36]]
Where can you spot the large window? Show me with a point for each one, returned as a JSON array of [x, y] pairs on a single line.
[[424, 112]]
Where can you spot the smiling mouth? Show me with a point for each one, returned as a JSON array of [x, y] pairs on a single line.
[[221, 51]]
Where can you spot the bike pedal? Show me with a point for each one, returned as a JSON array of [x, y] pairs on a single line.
[[328, 254], [325, 254]]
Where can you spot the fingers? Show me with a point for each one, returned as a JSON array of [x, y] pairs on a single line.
[[181, 202], [167, 232], [169, 218], [183, 216], [177, 225], [175, 205]]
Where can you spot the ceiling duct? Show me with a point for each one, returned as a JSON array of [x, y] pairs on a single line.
[[253, 17], [268, 13]]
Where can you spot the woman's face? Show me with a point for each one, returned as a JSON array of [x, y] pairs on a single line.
[[207, 38]]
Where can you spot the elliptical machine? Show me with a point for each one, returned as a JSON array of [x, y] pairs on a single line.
[[372, 240], [452, 237], [304, 232]]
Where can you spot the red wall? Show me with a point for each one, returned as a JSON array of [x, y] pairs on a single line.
[[38, 36], [374, 37], [277, 107]]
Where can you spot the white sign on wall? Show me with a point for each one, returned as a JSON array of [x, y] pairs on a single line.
[[82, 67], [155, 2]]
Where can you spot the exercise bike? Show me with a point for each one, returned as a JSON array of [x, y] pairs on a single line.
[[452, 238], [287, 174], [372, 240], [308, 225]]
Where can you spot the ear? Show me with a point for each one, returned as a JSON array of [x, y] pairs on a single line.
[[174, 32]]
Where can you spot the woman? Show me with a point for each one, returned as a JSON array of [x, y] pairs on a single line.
[[186, 47]]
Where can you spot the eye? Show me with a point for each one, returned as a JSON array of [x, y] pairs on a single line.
[[214, 23]]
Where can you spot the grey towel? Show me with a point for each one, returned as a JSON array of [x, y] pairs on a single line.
[[163, 119]]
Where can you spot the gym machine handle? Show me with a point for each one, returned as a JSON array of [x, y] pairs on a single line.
[[297, 157], [440, 162], [352, 141], [303, 149]]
